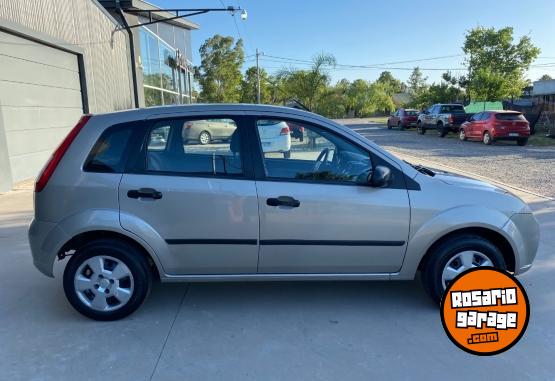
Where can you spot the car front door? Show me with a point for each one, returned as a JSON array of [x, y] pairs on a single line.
[[199, 199], [473, 126], [319, 216]]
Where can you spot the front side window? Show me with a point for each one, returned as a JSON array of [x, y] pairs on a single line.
[[199, 146], [295, 150]]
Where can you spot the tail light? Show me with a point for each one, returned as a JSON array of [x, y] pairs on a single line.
[[58, 154], [284, 131], [188, 126], [451, 119]]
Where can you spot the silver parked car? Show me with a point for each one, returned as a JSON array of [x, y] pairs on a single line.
[[128, 198], [208, 130]]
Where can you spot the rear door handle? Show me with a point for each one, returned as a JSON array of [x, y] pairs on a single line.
[[284, 201], [144, 193]]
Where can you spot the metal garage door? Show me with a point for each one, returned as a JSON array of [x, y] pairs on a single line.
[[40, 100]]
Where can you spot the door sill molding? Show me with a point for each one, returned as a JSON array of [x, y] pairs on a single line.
[[274, 277]]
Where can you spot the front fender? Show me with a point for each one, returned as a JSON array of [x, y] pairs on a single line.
[[423, 236]]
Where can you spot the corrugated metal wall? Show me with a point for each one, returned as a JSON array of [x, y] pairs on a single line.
[[83, 23]]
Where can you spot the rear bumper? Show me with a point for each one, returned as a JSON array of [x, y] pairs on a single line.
[[507, 136], [44, 239]]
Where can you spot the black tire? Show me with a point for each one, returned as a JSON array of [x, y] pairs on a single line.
[[522, 142], [287, 155], [462, 135], [487, 139], [441, 130], [122, 251], [400, 126], [388, 125], [420, 128], [433, 267], [206, 140]]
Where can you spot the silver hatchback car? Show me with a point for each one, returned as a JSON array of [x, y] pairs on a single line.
[[129, 199]]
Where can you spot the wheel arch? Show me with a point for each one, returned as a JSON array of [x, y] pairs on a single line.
[[79, 240], [491, 235]]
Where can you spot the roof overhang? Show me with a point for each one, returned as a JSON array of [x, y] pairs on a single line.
[[135, 6]]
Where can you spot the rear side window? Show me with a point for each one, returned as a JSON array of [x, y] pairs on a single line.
[[411, 112], [456, 109], [194, 146], [108, 154], [509, 116]]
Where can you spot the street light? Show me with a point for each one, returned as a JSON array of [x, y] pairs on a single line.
[[244, 15]]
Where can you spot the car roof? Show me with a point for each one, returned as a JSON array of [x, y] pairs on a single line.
[[140, 113]]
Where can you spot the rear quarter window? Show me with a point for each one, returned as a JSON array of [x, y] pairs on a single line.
[[108, 153]]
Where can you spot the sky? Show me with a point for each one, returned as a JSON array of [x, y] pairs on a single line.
[[372, 32]]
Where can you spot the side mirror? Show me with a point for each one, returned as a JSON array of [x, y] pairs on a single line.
[[380, 177]]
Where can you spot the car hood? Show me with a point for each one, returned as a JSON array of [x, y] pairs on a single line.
[[467, 182]]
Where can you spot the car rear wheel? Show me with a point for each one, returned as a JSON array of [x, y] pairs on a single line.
[[454, 256], [441, 130], [107, 279], [462, 134], [388, 125], [204, 137], [420, 128], [400, 126], [522, 142], [287, 154], [487, 138]]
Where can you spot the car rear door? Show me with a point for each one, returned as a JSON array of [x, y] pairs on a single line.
[[199, 199], [315, 218]]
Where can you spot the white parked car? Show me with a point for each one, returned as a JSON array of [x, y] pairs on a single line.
[[275, 136]]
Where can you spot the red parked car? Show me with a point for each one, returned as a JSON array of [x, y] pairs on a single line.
[[489, 126], [403, 118]]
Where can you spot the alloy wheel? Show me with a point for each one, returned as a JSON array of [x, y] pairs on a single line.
[[204, 138]]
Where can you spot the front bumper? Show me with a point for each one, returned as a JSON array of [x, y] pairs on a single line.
[[524, 230]]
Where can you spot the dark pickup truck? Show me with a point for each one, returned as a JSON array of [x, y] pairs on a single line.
[[443, 118]]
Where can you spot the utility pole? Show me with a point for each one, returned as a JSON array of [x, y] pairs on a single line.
[[258, 53]]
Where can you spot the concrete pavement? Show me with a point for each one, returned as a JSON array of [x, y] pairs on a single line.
[[254, 331]]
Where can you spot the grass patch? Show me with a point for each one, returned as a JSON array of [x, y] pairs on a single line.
[[540, 140], [378, 119]]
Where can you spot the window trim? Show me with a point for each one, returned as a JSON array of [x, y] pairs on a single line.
[[138, 165], [400, 179]]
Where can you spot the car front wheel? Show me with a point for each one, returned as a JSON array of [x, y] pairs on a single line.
[[107, 279], [462, 134], [487, 138], [420, 128], [454, 256]]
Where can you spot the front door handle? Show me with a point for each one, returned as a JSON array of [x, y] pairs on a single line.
[[144, 193], [284, 201]]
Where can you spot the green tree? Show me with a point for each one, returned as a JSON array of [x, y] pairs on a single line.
[[393, 85], [545, 77], [219, 74], [417, 82], [308, 86], [249, 87], [493, 55]]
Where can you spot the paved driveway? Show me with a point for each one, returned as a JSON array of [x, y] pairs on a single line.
[[254, 331], [531, 168]]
